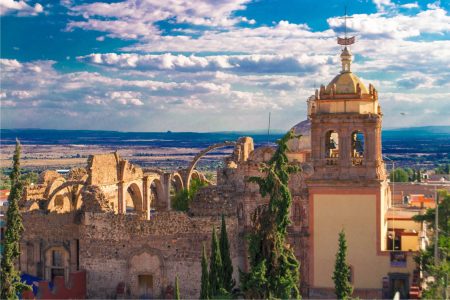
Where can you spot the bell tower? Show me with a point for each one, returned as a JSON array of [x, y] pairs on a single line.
[[346, 128], [348, 189]]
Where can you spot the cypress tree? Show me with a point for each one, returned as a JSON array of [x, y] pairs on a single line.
[[341, 274], [11, 285], [227, 266], [274, 269], [215, 267], [204, 289], [177, 289]]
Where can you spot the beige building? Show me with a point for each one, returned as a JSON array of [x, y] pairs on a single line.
[[349, 191]]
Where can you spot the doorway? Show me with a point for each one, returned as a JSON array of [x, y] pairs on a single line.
[[145, 286], [399, 282]]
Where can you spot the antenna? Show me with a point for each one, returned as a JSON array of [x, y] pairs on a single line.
[[268, 130]]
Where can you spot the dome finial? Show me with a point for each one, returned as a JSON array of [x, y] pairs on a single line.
[[346, 56]]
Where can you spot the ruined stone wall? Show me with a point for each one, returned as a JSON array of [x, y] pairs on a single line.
[[44, 231], [34, 192], [117, 249], [102, 169]]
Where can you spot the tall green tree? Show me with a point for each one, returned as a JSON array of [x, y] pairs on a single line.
[[177, 289], [274, 269], [438, 288], [204, 289], [215, 267], [227, 265], [11, 285], [341, 274]]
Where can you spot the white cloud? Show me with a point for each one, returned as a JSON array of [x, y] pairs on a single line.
[[21, 8], [135, 19], [238, 63], [410, 5], [382, 4]]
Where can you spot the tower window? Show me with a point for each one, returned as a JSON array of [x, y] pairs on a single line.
[[357, 148], [332, 147]]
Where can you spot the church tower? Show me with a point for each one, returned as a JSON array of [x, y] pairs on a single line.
[[349, 189], [346, 128]]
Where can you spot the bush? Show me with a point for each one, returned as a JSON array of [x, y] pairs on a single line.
[[182, 200]]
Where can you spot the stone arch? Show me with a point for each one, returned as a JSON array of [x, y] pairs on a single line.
[[133, 198], [148, 262], [67, 185], [157, 196], [53, 185], [202, 153], [176, 183]]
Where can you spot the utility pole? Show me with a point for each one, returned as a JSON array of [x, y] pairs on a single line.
[[436, 228]]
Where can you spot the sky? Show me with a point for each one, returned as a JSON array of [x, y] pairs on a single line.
[[214, 65]]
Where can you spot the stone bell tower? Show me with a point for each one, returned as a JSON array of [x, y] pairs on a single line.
[[346, 128], [348, 190]]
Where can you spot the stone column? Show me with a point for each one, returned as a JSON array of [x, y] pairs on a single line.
[[146, 197], [121, 198]]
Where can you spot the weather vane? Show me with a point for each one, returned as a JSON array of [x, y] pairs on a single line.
[[345, 41]]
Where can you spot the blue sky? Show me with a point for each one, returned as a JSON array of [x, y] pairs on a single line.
[[209, 65]]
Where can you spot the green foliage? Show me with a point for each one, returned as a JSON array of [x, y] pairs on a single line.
[[426, 258], [274, 269], [227, 265], [177, 289], [29, 178], [204, 289], [182, 200], [443, 169], [341, 274], [11, 285], [5, 181], [399, 175], [215, 267]]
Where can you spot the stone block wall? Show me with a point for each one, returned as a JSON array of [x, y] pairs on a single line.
[[116, 249]]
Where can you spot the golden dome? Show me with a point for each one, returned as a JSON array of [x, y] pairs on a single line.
[[346, 83]]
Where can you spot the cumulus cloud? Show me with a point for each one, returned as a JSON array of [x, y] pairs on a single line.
[[237, 63], [410, 5], [135, 19], [20, 8]]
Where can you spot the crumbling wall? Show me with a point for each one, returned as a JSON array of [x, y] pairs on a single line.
[[113, 248], [43, 231], [103, 169]]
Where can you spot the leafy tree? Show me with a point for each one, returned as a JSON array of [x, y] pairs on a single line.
[[204, 289], [215, 267], [11, 285], [183, 198], [227, 265], [29, 178], [341, 274], [399, 175], [274, 269], [177, 289], [443, 169], [419, 176], [426, 258]]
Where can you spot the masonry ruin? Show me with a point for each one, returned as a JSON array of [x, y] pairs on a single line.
[[115, 221]]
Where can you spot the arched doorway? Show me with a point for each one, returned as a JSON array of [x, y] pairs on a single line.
[[133, 199]]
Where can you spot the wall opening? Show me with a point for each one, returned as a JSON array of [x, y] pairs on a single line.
[[332, 147], [357, 148], [133, 199], [145, 283], [157, 196]]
